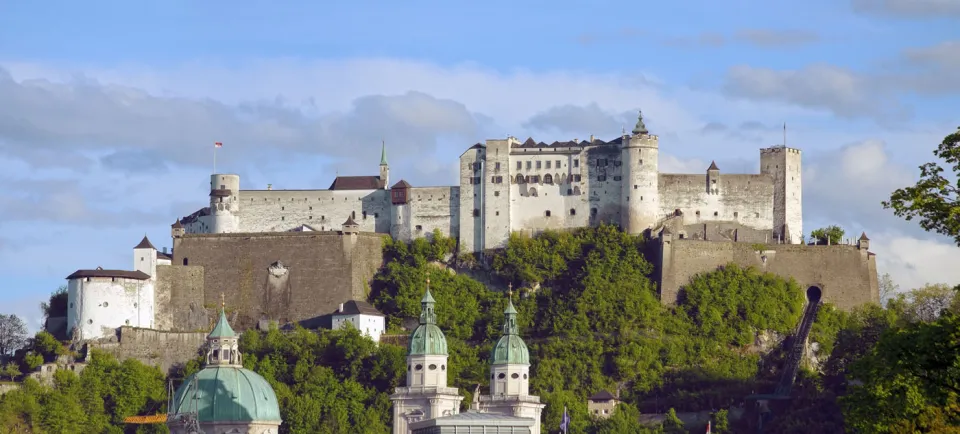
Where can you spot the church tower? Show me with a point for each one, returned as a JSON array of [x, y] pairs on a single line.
[[426, 395], [510, 374], [640, 190]]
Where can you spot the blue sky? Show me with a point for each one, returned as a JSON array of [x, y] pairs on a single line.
[[108, 109]]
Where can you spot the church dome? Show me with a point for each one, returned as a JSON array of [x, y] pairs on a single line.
[[227, 394], [428, 340], [510, 350]]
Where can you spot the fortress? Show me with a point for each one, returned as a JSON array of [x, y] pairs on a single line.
[[294, 255]]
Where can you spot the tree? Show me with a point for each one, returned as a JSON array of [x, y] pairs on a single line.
[[935, 199], [924, 304], [13, 334], [57, 305], [11, 371], [832, 234], [888, 287]]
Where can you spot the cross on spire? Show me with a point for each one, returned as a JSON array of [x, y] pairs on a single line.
[[510, 290], [223, 302]]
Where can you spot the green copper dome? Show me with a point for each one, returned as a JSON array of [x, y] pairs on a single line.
[[227, 394], [427, 339], [510, 349]]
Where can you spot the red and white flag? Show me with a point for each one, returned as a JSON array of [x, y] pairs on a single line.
[[708, 427], [217, 145]]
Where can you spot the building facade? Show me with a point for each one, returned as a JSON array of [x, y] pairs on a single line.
[[99, 300], [361, 316], [511, 186]]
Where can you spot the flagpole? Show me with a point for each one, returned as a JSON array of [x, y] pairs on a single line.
[[214, 159]]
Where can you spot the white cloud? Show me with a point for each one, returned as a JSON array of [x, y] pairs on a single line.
[[294, 123], [913, 262]]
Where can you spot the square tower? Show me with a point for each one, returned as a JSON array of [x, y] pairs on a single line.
[[783, 165]]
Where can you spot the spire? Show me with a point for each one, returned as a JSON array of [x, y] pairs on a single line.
[[863, 236], [427, 315], [510, 315], [383, 153], [713, 166], [145, 244], [222, 329], [640, 128]]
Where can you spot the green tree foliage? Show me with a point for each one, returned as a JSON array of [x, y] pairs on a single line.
[[935, 199], [327, 381], [829, 235], [925, 303], [97, 400], [56, 306]]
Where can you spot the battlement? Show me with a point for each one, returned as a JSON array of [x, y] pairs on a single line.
[[778, 150]]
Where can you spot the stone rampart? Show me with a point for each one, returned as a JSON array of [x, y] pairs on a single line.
[[846, 275], [281, 276], [152, 347], [180, 298]]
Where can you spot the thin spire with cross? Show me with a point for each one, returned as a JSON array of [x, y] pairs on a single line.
[[510, 290], [223, 302]]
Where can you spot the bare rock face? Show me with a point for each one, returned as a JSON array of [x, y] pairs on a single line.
[[194, 317]]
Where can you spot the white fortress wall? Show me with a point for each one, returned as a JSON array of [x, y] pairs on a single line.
[[281, 210], [98, 305]]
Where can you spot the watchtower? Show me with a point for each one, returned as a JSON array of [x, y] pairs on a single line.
[[640, 194]]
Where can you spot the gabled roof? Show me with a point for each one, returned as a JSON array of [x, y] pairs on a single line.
[[863, 237], [177, 225], [100, 272], [602, 395], [145, 244], [350, 222], [402, 184], [355, 307], [356, 183]]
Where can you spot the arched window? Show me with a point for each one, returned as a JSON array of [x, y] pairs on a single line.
[[548, 179], [533, 192], [520, 179]]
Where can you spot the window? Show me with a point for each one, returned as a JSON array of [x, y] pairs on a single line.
[[376, 215], [433, 367], [105, 304], [558, 164], [186, 261], [547, 213], [419, 367], [496, 166], [715, 213], [576, 178], [501, 375], [520, 179], [548, 164], [538, 164], [529, 165], [573, 211], [535, 178], [569, 191], [496, 193], [548, 178], [282, 218], [593, 212], [736, 214], [616, 177], [576, 162], [419, 227], [476, 212], [282, 208], [698, 213], [515, 375], [601, 177], [364, 215], [519, 165]]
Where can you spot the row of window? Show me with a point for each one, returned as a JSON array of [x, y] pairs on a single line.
[[547, 213]]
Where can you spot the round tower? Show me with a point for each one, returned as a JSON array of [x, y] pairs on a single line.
[[224, 203], [640, 194], [427, 355]]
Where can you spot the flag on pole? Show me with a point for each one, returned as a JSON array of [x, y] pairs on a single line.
[[217, 144], [565, 421]]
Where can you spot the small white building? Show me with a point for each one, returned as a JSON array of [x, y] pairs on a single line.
[[99, 301], [364, 317]]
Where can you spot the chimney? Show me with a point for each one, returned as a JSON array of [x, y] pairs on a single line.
[[269, 186], [164, 250]]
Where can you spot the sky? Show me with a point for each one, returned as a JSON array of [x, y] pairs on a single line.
[[109, 109]]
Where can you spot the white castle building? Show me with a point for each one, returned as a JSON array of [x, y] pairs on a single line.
[[99, 301], [428, 405], [507, 186]]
